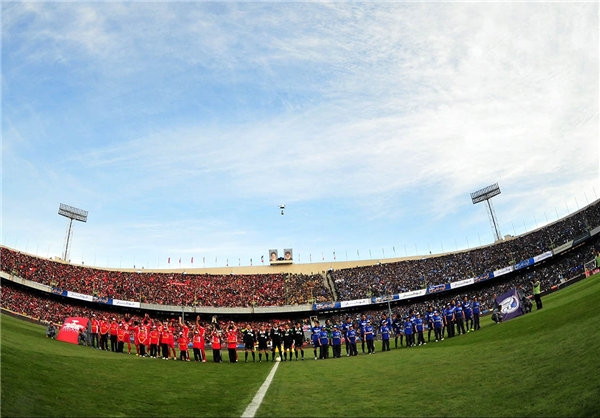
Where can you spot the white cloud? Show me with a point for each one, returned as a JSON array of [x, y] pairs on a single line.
[[365, 103]]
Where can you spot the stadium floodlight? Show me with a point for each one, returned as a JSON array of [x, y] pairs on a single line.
[[485, 195], [72, 214]]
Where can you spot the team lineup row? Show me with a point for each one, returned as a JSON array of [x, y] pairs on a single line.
[[284, 341]]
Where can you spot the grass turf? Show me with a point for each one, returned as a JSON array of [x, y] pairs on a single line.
[[541, 364]]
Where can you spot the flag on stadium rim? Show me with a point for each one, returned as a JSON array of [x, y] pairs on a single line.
[[262, 259], [169, 260], [510, 304], [192, 260]]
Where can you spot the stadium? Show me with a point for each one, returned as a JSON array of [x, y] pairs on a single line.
[[44, 291], [267, 209]]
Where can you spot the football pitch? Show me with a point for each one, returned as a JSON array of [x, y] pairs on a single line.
[[546, 363]]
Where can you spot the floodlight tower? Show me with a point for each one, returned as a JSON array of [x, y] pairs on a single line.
[[73, 214], [486, 195]]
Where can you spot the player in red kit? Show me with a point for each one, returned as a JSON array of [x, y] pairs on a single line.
[[196, 346], [202, 332], [154, 336], [95, 327], [232, 342], [165, 336], [120, 338], [215, 342], [114, 329], [104, 329], [172, 340], [142, 340], [182, 341]]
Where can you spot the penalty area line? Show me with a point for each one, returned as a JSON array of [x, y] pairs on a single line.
[[258, 398]]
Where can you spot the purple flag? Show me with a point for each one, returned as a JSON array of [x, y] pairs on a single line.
[[510, 303]]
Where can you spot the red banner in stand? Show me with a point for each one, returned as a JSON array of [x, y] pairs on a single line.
[[69, 332]]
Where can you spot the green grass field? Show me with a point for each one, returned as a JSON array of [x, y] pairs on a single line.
[[542, 364]]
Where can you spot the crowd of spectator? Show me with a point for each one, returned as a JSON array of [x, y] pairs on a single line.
[[49, 308], [550, 273], [169, 288], [403, 276], [231, 290]]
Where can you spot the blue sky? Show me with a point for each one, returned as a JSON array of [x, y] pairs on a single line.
[[181, 127]]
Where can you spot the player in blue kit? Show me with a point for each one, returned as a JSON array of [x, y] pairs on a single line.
[[408, 332], [352, 340], [438, 325], [370, 337], [345, 327], [316, 332], [449, 320], [361, 326], [324, 343], [429, 322], [413, 319], [468, 311], [336, 342], [419, 327], [385, 337], [476, 314], [385, 321]]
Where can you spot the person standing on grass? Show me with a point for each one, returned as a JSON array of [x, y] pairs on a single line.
[[182, 342], [362, 324], [370, 337], [537, 293], [121, 338], [449, 320], [336, 342], [459, 318], [135, 332], [128, 328], [142, 340], [323, 343], [298, 340], [385, 337], [104, 330], [196, 346], [476, 314], [114, 330], [249, 337], [352, 341], [154, 337], [276, 336], [288, 342], [263, 339], [95, 327], [408, 332], [232, 342], [316, 333], [345, 328], [172, 334], [468, 311], [438, 326], [398, 326], [202, 343], [215, 342], [419, 329], [164, 341], [429, 322]]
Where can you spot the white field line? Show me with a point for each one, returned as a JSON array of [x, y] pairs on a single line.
[[258, 398]]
